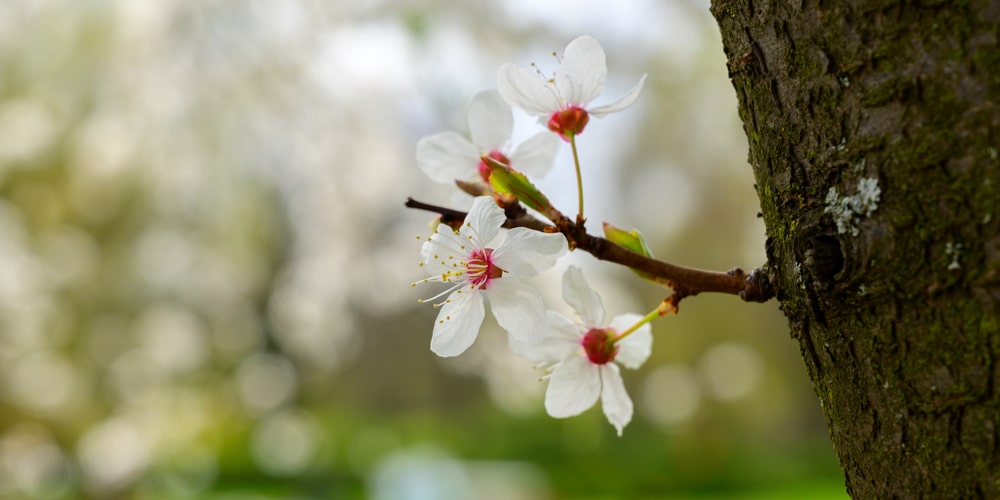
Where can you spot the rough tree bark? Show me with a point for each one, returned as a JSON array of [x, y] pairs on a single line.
[[897, 309]]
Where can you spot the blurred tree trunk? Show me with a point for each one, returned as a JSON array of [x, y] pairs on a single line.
[[897, 310]]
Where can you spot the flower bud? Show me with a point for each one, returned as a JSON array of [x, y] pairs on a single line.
[[484, 169]]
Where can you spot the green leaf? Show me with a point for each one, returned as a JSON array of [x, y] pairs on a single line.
[[504, 179]]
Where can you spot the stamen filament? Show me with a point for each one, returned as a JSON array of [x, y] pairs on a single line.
[[447, 291], [474, 237]]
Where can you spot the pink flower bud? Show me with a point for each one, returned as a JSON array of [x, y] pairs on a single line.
[[484, 169]]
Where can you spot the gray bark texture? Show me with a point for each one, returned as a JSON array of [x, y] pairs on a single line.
[[874, 130]]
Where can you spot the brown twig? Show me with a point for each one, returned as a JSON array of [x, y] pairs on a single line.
[[685, 281]]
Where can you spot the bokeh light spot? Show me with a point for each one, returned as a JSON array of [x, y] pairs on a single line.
[[285, 443], [730, 370], [113, 453], [670, 395], [265, 382]]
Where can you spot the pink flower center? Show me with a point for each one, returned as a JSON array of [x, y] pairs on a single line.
[[569, 121], [482, 269], [599, 345], [484, 169]]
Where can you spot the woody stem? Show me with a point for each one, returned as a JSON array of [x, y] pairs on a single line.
[[754, 286]]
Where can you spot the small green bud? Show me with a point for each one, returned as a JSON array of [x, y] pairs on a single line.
[[504, 179], [633, 241]]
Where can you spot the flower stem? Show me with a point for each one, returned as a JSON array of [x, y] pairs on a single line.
[[664, 308], [579, 178]]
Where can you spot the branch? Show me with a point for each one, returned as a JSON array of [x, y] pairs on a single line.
[[754, 286]]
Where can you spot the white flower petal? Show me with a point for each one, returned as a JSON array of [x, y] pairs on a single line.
[[490, 121], [518, 308], [458, 323], [443, 251], [483, 221], [583, 299], [562, 340], [447, 156], [574, 386], [524, 89], [526, 252], [635, 349], [627, 100], [614, 399], [535, 156], [580, 76]]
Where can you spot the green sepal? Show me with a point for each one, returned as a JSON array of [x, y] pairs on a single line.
[[504, 179]]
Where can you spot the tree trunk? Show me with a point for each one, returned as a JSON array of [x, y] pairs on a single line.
[[874, 130]]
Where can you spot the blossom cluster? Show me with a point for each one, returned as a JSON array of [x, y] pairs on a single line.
[[483, 263]]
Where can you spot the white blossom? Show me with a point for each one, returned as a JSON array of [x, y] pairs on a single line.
[[448, 156], [582, 355], [478, 268], [564, 99]]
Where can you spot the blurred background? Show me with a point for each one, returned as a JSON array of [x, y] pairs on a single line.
[[205, 261]]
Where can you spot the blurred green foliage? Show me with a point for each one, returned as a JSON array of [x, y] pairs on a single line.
[[204, 261]]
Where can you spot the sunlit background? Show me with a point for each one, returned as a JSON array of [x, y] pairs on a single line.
[[205, 261]]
